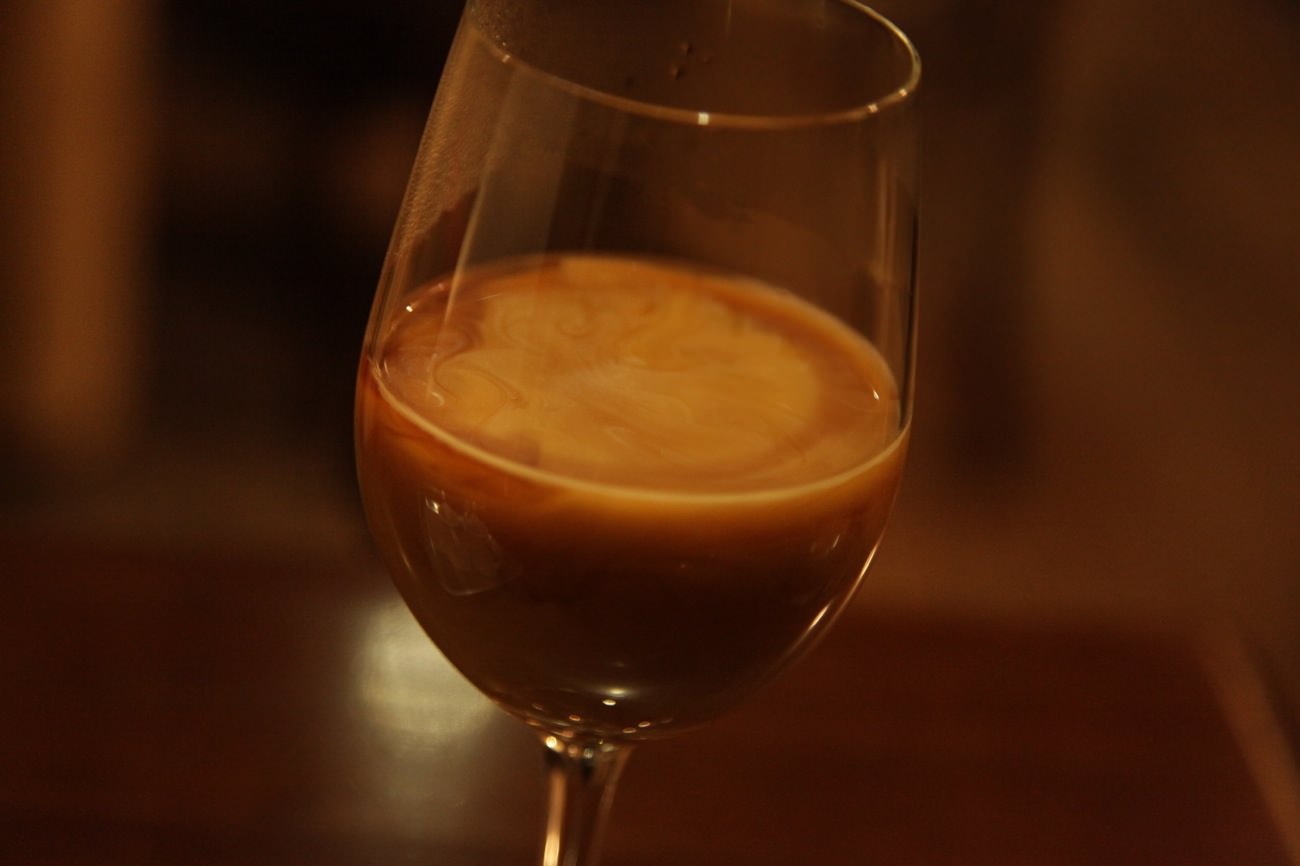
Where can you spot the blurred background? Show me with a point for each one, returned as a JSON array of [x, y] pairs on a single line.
[[197, 195]]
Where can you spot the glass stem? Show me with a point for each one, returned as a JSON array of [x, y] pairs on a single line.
[[580, 782]]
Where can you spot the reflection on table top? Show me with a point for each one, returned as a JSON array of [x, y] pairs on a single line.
[[167, 709]]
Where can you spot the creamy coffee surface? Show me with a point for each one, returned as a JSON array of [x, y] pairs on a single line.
[[640, 374]]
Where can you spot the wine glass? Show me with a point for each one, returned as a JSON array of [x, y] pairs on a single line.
[[636, 388]]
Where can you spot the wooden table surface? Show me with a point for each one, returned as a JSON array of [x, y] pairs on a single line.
[[170, 709]]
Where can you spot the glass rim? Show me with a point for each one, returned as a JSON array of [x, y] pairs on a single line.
[[899, 95]]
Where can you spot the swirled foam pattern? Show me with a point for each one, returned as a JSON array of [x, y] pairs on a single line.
[[641, 374]]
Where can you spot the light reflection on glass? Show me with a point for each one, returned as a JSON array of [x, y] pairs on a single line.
[[419, 721], [821, 613], [408, 690]]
